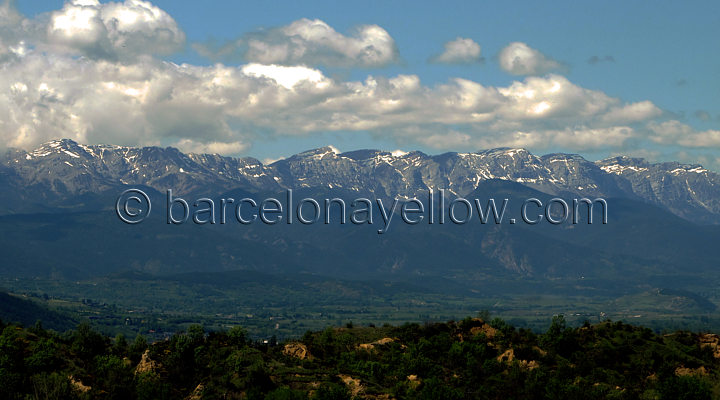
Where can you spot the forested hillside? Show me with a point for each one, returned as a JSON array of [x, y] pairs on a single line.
[[454, 360]]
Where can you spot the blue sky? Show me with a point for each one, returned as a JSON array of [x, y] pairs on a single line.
[[662, 56]]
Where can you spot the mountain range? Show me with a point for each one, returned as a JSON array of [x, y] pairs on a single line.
[[60, 172], [659, 247], [57, 222]]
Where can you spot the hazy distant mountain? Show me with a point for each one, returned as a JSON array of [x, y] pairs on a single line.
[[57, 172]]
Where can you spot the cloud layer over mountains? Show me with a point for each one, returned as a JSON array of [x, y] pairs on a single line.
[[95, 72]]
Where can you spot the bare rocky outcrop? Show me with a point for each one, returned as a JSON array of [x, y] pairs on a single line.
[[79, 385], [486, 329], [297, 350], [684, 371], [712, 341], [197, 393], [414, 381], [146, 364], [508, 356], [354, 385], [379, 342]]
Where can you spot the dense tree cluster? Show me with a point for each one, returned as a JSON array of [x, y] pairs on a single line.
[[470, 359]]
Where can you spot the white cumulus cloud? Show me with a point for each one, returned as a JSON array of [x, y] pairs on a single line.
[[459, 51], [676, 132], [287, 77], [92, 73], [518, 58], [312, 42], [113, 30], [226, 108]]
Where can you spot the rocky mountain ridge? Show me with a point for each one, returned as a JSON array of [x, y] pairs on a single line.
[[63, 169]]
